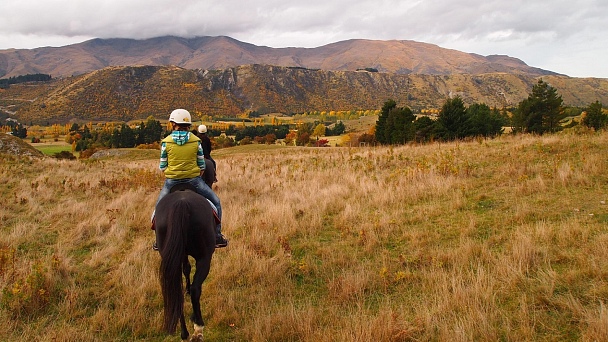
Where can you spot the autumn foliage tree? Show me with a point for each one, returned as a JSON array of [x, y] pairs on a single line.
[[319, 131], [123, 136]]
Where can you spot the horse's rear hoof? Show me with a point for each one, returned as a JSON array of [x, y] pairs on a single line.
[[196, 338], [197, 335]]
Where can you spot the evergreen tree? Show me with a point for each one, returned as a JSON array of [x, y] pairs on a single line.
[[424, 129], [594, 117], [541, 112], [127, 136], [381, 129], [281, 131], [400, 128], [338, 129], [485, 121], [115, 138], [86, 133], [152, 131], [19, 131], [103, 138], [453, 122]]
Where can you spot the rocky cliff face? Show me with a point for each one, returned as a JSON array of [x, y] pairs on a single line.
[[126, 93]]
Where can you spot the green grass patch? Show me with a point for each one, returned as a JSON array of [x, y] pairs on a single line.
[[50, 150]]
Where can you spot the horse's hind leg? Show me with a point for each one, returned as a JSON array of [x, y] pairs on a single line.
[[182, 322], [186, 268], [202, 270]]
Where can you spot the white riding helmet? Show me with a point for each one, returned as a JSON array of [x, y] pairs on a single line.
[[180, 117], [202, 129]]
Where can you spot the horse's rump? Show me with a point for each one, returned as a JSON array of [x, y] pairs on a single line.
[[188, 186], [210, 173], [200, 217]]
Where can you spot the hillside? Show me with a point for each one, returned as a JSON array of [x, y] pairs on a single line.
[[126, 93], [394, 56], [10, 145]]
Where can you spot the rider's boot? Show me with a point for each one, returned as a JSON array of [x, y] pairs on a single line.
[[220, 240]]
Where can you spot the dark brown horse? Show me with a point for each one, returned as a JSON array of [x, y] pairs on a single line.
[[185, 226], [209, 175]]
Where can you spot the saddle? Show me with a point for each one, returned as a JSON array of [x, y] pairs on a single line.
[[184, 187]]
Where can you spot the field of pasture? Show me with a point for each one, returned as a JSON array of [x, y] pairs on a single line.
[[487, 240]]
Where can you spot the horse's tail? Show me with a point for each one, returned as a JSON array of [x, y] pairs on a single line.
[[174, 251]]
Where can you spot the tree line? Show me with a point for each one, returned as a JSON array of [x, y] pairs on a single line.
[[542, 112], [283, 131], [6, 82], [399, 125], [149, 132]]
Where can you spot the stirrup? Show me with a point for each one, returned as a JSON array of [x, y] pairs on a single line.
[[220, 241]]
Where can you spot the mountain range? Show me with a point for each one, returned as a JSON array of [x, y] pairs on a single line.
[[125, 79], [394, 56]]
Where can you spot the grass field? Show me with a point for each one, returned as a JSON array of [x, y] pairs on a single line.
[[488, 240], [51, 148]]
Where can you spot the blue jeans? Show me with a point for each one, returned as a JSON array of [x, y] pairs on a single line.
[[201, 188]]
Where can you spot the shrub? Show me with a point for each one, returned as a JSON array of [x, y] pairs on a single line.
[[152, 146], [65, 155], [27, 296]]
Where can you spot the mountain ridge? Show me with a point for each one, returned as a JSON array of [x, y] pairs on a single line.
[[125, 79], [137, 92], [220, 52]]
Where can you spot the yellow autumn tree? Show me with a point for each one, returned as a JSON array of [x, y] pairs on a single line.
[[319, 131]]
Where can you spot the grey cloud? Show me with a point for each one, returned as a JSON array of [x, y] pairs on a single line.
[[533, 30]]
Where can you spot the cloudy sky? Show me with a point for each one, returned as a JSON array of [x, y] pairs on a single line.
[[568, 37]]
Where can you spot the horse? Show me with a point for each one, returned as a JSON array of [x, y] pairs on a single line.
[[209, 175], [185, 226]]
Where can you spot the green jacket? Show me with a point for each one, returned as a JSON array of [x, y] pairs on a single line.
[[181, 158]]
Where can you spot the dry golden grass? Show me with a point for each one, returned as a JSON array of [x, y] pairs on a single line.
[[489, 240]]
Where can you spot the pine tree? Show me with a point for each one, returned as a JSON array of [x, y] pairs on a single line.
[[594, 118], [485, 121], [19, 131], [453, 121], [541, 112], [400, 124], [381, 124]]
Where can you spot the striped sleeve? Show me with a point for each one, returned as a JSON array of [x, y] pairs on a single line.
[[200, 157], [163, 157]]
